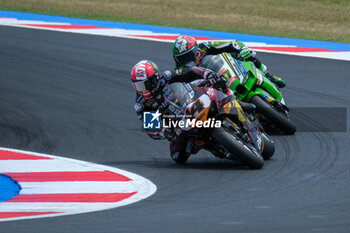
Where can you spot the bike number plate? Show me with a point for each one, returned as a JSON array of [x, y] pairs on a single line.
[[197, 107]]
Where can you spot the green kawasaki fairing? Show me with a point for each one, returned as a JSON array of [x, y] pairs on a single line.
[[248, 83]]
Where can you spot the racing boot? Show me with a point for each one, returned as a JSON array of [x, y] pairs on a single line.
[[277, 80], [247, 107], [178, 149], [273, 78]]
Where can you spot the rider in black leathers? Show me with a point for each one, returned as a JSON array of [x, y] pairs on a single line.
[[149, 83]]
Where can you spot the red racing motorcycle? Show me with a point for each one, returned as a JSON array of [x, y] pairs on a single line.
[[215, 122]]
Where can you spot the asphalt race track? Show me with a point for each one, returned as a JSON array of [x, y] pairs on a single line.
[[70, 95]]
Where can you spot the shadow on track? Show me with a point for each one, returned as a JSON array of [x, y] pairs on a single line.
[[200, 164]]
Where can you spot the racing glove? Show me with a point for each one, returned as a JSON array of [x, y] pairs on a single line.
[[211, 77], [245, 53]]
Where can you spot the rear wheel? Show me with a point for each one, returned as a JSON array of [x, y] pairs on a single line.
[[246, 153], [273, 116]]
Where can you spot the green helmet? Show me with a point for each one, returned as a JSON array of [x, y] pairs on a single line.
[[185, 50]]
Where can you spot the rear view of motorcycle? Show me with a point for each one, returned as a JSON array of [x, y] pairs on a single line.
[[216, 122]]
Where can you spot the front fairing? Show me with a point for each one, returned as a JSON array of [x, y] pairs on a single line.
[[192, 102], [226, 66], [243, 78], [213, 94], [178, 95], [219, 65]]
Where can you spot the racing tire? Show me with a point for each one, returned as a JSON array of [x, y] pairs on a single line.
[[269, 147], [237, 148], [272, 115]]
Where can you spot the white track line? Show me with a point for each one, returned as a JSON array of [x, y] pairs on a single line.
[[77, 187]]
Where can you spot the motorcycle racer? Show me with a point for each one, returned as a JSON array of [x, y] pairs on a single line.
[[187, 53], [149, 83]]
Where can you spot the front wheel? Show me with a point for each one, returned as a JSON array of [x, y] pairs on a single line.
[[269, 147], [273, 116], [246, 153]]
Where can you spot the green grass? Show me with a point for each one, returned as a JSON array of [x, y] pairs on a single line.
[[327, 20]]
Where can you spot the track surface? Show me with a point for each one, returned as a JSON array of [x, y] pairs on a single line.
[[70, 95]]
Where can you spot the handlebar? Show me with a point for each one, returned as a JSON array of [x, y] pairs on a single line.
[[220, 84]]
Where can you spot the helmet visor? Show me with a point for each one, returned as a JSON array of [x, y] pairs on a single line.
[[187, 58], [142, 86]]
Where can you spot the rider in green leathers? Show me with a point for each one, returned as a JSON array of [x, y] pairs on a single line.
[[187, 53]]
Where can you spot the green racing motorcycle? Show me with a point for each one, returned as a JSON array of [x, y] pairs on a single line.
[[249, 84]]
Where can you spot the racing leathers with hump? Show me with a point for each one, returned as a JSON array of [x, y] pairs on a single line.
[[187, 52], [149, 83]]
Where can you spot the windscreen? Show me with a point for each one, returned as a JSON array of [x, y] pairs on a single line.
[[178, 94], [212, 62]]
